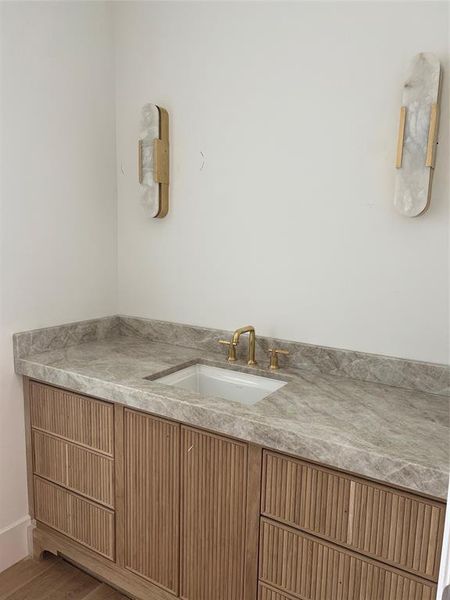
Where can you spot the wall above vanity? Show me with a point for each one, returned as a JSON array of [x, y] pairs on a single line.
[[282, 173]]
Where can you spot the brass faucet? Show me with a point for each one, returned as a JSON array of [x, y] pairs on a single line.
[[235, 341]]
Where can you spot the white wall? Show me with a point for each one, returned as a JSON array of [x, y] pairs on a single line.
[[58, 214], [289, 224]]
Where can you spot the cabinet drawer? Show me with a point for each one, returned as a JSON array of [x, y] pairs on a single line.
[[395, 527], [76, 418], [308, 568], [269, 593], [79, 519], [74, 467]]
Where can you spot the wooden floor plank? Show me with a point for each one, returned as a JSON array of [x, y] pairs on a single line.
[[104, 592], [61, 582], [52, 579], [22, 573]]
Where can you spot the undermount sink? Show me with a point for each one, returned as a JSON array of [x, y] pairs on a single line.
[[223, 383]]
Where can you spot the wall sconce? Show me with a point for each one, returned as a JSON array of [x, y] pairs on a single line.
[[153, 159], [417, 135]]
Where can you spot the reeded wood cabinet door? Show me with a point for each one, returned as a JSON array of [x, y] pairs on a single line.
[[174, 472], [152, 498], [213, 516]]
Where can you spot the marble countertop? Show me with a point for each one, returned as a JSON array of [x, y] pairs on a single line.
[[387, 433]]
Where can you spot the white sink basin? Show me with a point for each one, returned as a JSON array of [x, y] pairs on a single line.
[[223, 383]]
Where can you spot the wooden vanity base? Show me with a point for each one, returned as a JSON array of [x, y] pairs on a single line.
[[160, 511]]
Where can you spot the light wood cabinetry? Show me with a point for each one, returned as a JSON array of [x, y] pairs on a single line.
[[172, 471], [72, 451], [76, 468], [49, 457], [267, 592], [309, 568], [76, 418], [82, 520], [214, 473], [395, 527], [152, 498], [90, 474], [162, 511]]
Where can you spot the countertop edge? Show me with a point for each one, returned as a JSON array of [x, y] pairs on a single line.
[[385, 469]]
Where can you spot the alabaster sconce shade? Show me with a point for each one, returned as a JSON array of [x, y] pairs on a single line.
[[417, 136], [153, 160]]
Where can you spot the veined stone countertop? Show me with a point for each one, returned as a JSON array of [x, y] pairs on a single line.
[[394, 435]]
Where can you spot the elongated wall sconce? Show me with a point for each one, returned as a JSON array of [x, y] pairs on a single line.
[[153, 160], [417, 135]]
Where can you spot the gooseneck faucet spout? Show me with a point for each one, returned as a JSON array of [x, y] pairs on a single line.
[[251, 341], [232, 344]]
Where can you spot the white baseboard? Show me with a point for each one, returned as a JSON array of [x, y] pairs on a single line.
[[14, 542]]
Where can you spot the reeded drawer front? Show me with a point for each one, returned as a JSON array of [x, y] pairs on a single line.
[[74, 467], [267, 593], [311, 569], [76, 418], [395, 527], [80, 519]]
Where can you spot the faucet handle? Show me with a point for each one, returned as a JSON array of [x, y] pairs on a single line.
[[231, 349], [274, 352]]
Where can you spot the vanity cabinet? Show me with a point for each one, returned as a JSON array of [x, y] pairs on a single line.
[[326, 535], [152, 498], [163, 511], [72, 451], [214, 476], [186, 509], [294, 564], [73, 417], [83, 521], [400, 529], [78, 469]]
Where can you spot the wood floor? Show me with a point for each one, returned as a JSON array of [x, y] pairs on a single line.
[[52, 579]]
